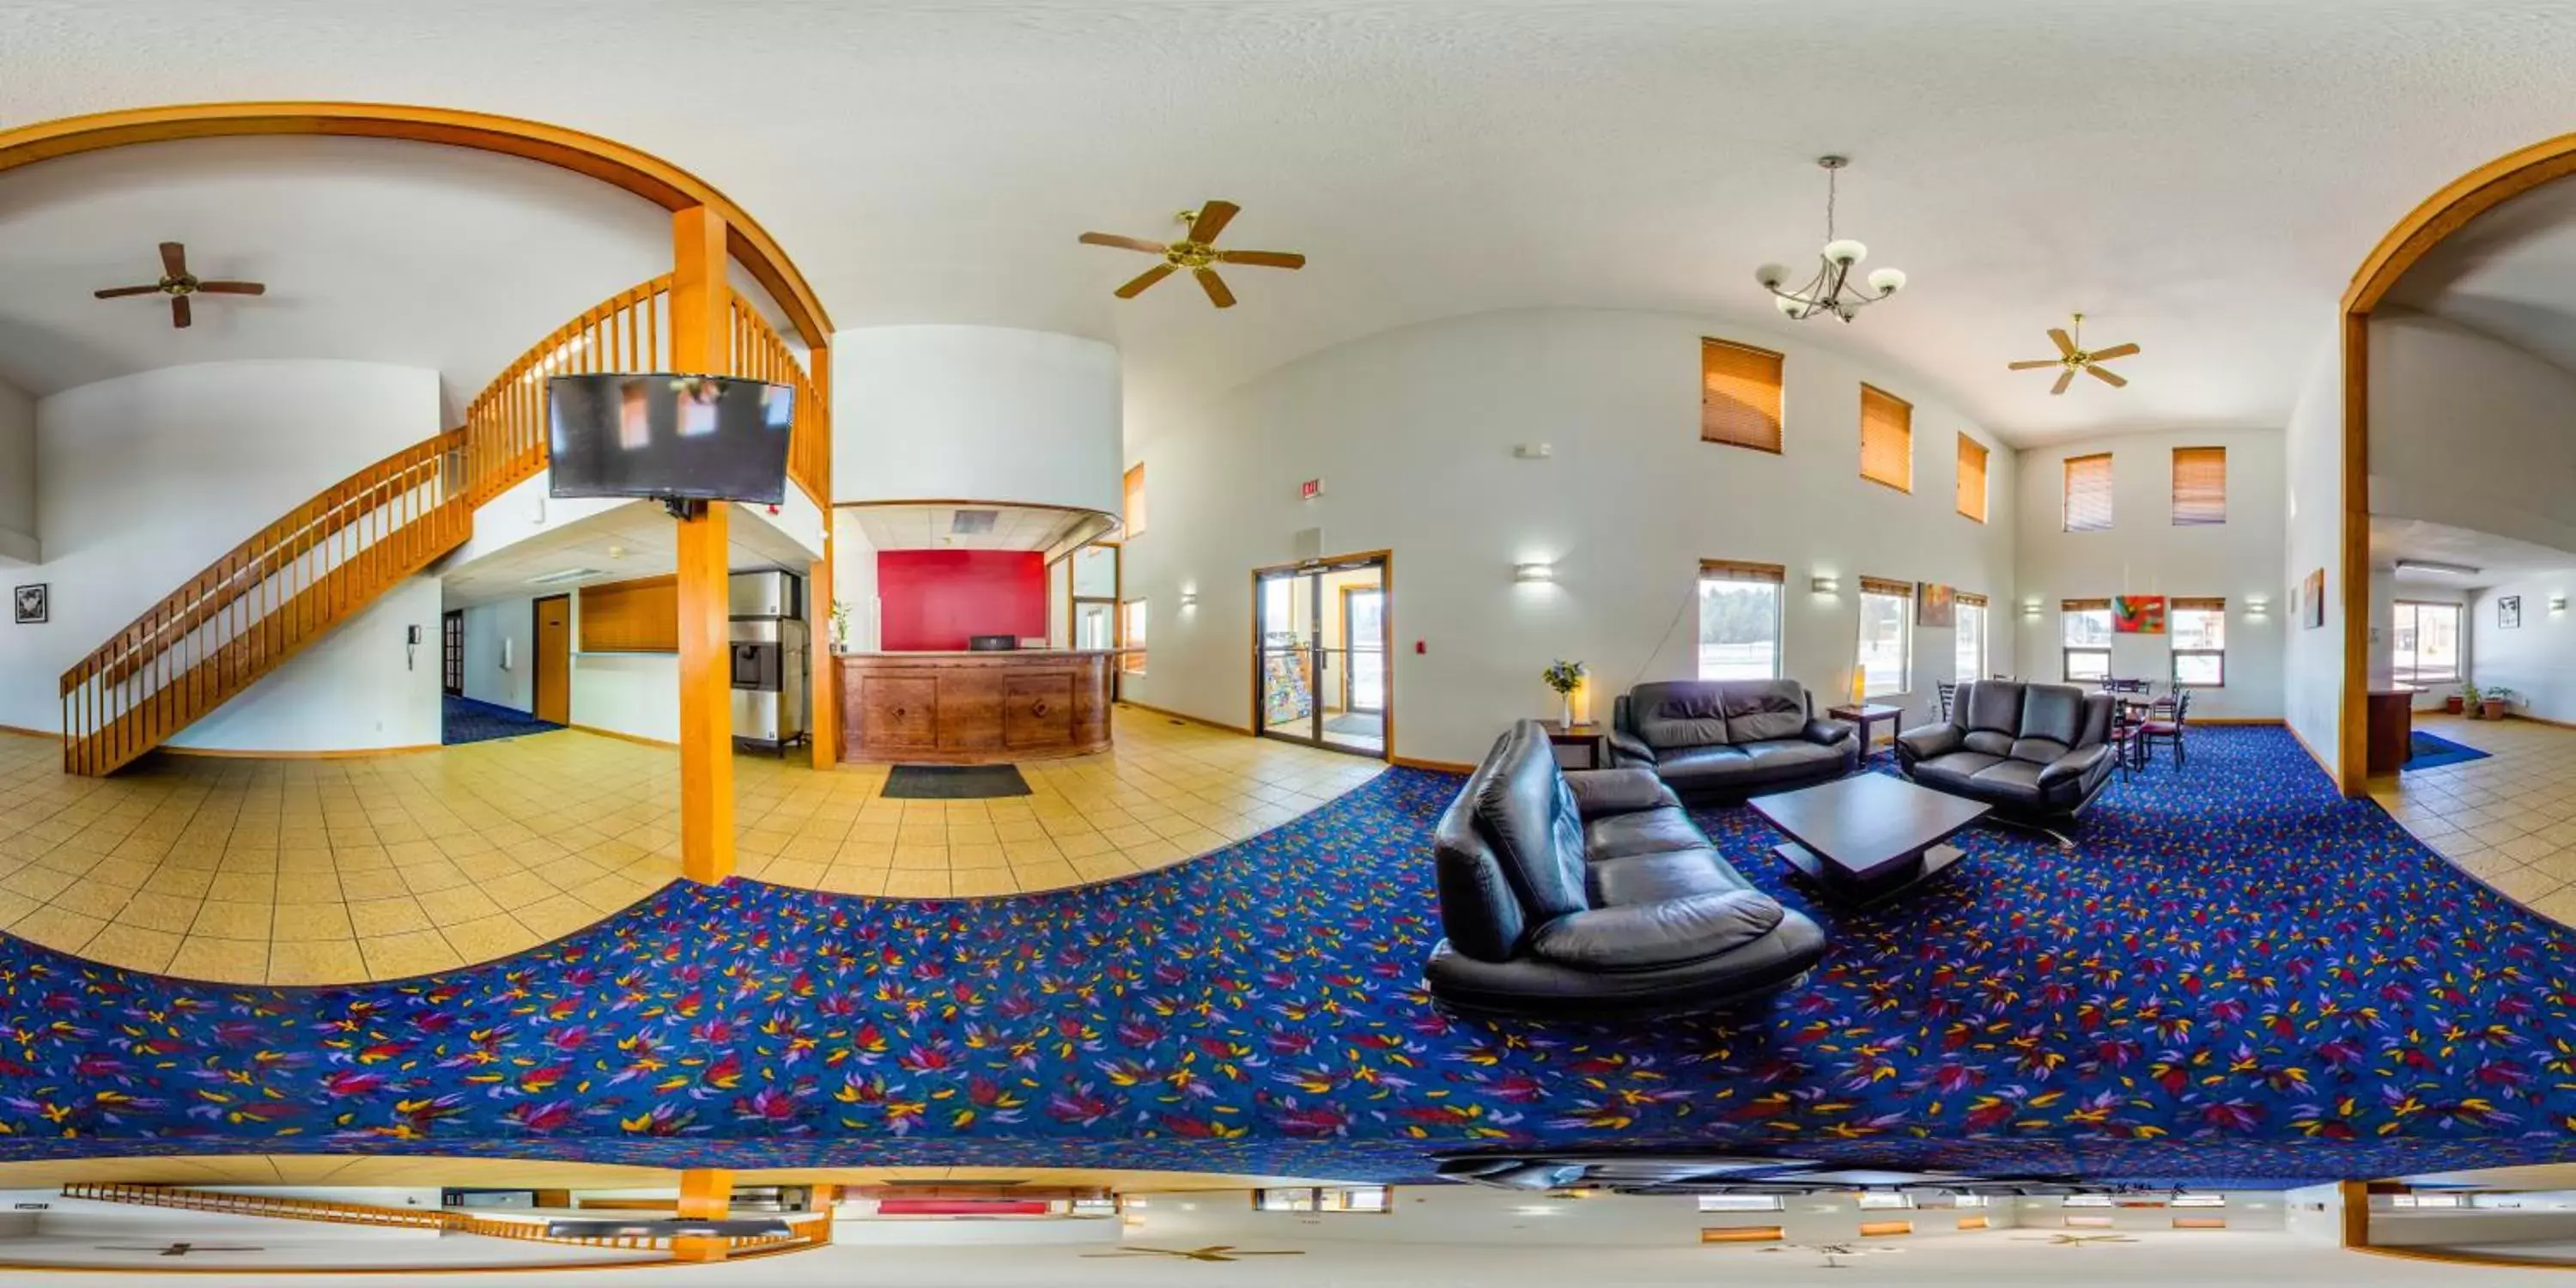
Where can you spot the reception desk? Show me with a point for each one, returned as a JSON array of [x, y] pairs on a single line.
[[975, 708]]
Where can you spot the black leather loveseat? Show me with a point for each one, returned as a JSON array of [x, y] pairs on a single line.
[[1591, 895], [2036, 752], [1727, 739]]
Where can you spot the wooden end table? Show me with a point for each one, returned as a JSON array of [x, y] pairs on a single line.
[[1587, 736], [1866, 714]]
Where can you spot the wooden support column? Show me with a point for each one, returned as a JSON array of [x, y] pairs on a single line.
[[700, 346], [706, 1194], [823, 685]]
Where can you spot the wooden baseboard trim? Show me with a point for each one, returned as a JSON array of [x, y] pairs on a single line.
[[2542, 720], [2236, 720], [47, 735], [1435, 766], [1186, 717], [636, 738], [344, 753], [2312, 753]]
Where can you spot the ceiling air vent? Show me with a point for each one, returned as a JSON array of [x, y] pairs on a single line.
[[561, 576], [971, 523]]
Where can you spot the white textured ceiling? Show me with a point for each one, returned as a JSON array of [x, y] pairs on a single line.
[[934, 527], [2510, 273], [2497, 559], [2199, 176], [620, 544], [371, 251]]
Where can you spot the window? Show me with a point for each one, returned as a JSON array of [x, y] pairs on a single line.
[[1322, 1198], [1739, 620], [1739, 395], [1884, 1200], [1971, 644], [2428, 643], [1131, 636], [2088, 493], [2426, 1201], [1886, 635], [1133, 500], [2084, 636], [1972, 478], [1742, 1203], [2199, 486], [1886, 439], [2199, 642]]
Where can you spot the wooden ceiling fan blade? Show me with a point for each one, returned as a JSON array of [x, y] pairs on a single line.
[[2065, 343], [1213, 217], [1122, 243], [1216, 292], [179, 314], [2107, 377], [232, 288], [114, 292], [2115, 351], [174, 259], [2064, 379], [1142, 280], [1262, 258], [2036, 363]]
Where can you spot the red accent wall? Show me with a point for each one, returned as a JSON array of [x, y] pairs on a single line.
[[934, 599]]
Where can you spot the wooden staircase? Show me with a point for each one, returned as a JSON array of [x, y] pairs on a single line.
[[806, 1232], [261, 603]]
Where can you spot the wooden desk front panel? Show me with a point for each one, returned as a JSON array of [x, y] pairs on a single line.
[[975, 708]]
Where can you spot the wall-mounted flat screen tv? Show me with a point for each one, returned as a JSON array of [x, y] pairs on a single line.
[[689, 438]]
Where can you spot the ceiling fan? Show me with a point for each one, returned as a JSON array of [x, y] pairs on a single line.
[[1195, 253], [178, 283], [2072, 357]]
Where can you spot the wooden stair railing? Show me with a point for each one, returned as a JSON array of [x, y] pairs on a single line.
[[262, 603], [223, 1202], [328, 559]]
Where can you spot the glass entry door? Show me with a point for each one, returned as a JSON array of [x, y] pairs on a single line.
[[1321, 631]]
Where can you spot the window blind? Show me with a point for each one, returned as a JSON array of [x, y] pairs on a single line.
[[1970, 598], [2084, 606], [1738, 570], [2199, 486], [1886, 439], [1882, 586], [2088, 493], [2215, 604], [1739, 398], [1133, 501], [1972, 478]]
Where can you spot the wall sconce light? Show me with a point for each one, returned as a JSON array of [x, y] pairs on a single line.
[[1189, 599], [2257, 605], [2558, 603], [2030, 608], [1534, 572], [1824, 585]]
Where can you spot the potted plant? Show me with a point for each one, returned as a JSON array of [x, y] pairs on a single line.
[[2493, 702], [2456, 703], [2469, 699], [840, 625], [1564, 677]]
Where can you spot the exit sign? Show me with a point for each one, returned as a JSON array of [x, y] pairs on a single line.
[[1310, 489]]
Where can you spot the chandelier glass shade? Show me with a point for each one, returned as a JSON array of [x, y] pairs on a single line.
[[1831, 290]]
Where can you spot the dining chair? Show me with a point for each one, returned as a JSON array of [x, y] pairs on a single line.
[[1948, 689], [2165, 722]]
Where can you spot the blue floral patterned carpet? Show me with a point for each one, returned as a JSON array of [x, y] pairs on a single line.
[[2239, 975], [473, 720]]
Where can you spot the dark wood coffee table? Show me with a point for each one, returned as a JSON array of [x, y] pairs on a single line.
[[1866, 839]]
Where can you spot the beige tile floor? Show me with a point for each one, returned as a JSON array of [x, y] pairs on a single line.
[[2510, 819], [316, 872]]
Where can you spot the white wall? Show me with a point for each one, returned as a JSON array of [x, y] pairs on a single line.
[[18, 542], [2312, 451], [975, 413], [2143, 553], [145, 479], [492, 630], [854, 580], [361, 687], [1475, 1215], [2537, 661], [1413, 430], [2469, 431], [636, 694]]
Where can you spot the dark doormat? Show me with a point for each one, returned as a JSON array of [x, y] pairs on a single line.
[[955, 782]]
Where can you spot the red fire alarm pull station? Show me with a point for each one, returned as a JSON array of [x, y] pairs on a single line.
[[1418, 648], [1310, 489]]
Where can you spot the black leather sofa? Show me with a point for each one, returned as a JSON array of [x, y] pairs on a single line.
[[1727, 739], [2038, 753], [1591, 895]]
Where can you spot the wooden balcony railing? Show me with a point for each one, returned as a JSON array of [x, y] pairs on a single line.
[[759, 354], [262, 602], [505, 425], [811, 1232]]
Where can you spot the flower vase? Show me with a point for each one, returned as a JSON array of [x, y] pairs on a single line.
[[1567, 715]]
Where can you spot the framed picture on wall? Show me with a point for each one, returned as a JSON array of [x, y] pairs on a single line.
[[1935, 604], [2312, 599], [2137, 614], [2509, 612], [34, 604]]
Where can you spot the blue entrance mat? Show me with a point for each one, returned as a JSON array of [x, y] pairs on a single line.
[[2429, 752]]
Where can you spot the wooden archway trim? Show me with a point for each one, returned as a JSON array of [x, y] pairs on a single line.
[[641, 173], [2427, 226]]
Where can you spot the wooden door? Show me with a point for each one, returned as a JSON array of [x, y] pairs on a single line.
[[451, 653], [554, 659]]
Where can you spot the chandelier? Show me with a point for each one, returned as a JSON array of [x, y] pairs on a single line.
[[1830, 290]]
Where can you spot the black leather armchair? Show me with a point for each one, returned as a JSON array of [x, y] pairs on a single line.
[[1728, 739], [1591, 895], [2036, 752]]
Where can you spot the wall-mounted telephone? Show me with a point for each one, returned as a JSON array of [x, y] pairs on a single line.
[[506, 651], [411, 646]]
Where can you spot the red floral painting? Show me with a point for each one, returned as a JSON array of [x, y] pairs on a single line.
[[2138, 614]]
